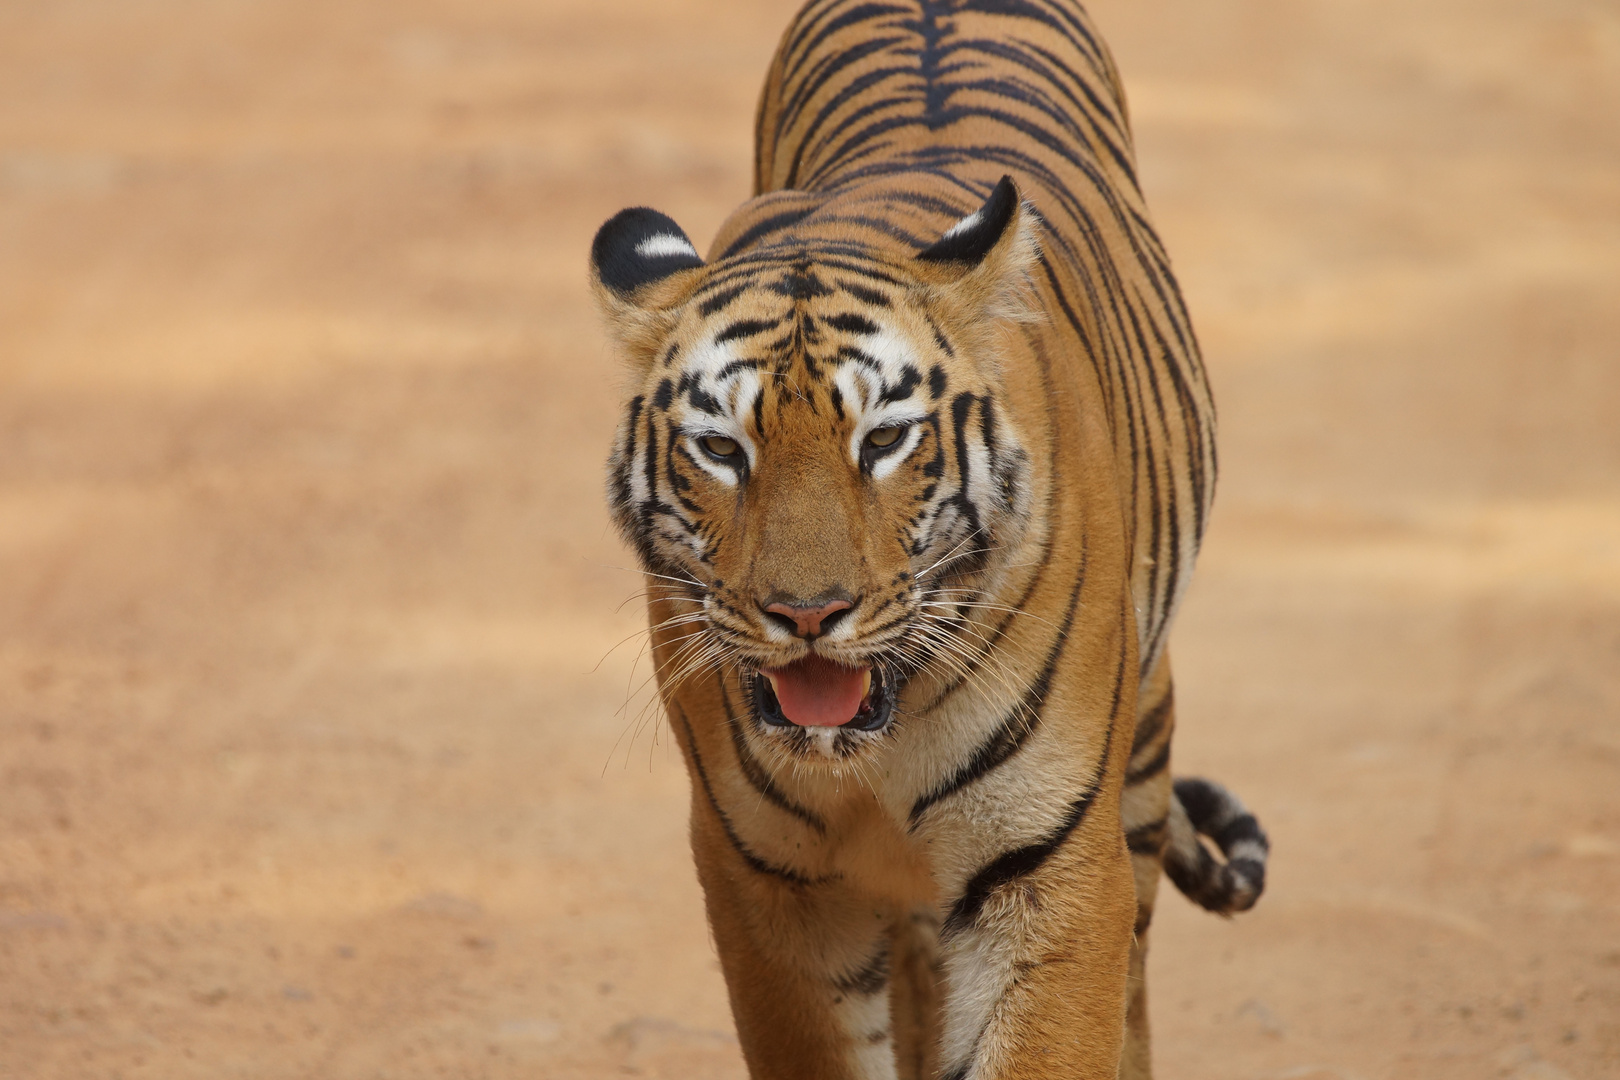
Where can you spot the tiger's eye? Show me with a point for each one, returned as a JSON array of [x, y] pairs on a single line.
[[719, 445], [884, 436]]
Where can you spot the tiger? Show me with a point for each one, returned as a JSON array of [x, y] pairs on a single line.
[[916, 460]]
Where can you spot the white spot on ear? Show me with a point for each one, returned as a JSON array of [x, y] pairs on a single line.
[[969, 222], [665, 244]]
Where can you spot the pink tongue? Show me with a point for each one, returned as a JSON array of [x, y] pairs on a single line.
[[815, 692]]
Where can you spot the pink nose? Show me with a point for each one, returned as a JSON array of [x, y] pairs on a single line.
[[807, 620]]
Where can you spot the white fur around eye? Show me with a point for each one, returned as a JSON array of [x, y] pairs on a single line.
[[717, 469], [736, 393], [895, 453]]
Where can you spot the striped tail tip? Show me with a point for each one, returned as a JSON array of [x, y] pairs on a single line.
[[1203, 807]]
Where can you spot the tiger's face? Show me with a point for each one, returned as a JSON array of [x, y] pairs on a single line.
[[815, 464]]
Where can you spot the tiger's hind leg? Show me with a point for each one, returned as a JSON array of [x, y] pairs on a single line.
[[1145, 812]]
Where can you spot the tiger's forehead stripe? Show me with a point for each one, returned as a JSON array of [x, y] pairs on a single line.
[[874, 366], [798, 271]]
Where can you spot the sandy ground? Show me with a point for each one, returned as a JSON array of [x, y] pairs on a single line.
[[307, 765]]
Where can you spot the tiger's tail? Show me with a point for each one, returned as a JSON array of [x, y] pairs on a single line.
[[1203, 807]]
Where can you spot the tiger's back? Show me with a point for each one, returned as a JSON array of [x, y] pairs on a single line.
[[927, 105]]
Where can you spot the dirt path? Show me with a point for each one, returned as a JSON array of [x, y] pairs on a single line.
[[305, 770]]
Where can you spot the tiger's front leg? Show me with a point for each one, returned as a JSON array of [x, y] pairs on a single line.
[[806, 961], [1038, 981], [1036, 963], [1041, 896], [807, 955]]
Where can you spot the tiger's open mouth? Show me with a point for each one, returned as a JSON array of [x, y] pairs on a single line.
[[817, 692]]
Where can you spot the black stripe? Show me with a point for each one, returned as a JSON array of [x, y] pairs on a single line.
[[1147, 839], [1202, 800], [1151, 723], [860, 13], [1042, 561], [1240, 828], [876, 224], [757, 231], [1015, 728], [852, 323], [745, 328], [871, 978], [755, 772], [716, 303], [1151, 767], [735, 366], [664, 395], [754, 862], [806, 21], [1021, 862], [864, 294], [1251, 871], [625, 465]]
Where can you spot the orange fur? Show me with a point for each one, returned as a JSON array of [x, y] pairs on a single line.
[[950, 893]]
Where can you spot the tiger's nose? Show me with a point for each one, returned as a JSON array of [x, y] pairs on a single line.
[[808, 621]]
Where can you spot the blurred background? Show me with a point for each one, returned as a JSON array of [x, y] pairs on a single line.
[[311, 764]]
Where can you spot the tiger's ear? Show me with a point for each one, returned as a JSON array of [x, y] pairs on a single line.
[[980, 268], [642, 267]]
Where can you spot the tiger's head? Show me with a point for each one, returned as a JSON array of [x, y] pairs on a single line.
[[816, 464]]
